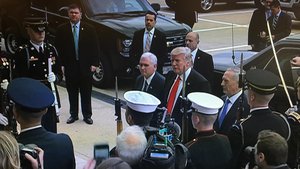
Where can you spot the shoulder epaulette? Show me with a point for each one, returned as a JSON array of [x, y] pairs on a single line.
[[23, 47]]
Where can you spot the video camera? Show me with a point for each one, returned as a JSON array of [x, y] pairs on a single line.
[[29, 149]]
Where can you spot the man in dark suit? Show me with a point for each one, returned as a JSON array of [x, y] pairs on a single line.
[[207, 146], [151, 40], [32, 99], [280, 22], [181, 61], [261, 87], [233, 112], [202, 61], [78, 47], [258, 27], [150, 80]]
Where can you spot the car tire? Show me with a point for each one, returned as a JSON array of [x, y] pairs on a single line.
[[102, 77], [171, 4], [12, 39], [206, 5]]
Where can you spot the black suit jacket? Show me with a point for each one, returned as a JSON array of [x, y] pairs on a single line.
[[88, 50], [156, 86], [257, 24], [158, 47], [283, 26], [58, 148], [195, 83], [231, 115], [203, 63]]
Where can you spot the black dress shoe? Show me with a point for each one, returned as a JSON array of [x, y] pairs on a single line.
[[72, 120], [88, 121]]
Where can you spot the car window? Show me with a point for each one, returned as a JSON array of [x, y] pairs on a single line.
[[97, 7], [284, 56]]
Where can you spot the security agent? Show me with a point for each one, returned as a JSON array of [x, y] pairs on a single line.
[[32, 60], [261, 86], [207, 145], [31, 100], [140, 107]]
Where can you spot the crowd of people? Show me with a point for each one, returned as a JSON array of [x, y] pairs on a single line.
[[236, 130]]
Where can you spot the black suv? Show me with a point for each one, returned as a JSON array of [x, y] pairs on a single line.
[[115, 22]]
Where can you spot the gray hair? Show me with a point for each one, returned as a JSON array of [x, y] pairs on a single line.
[[131, 144], [236, 71], [183, 50], [151, 56]]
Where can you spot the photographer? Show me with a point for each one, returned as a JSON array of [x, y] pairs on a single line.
[[9, 153]]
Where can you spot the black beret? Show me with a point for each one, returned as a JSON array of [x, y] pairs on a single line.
[[36, 23], [262, 81], [30, 94]]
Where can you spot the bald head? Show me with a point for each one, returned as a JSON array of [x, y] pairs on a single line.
[[192, 40]]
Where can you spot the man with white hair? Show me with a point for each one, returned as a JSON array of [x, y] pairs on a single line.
[[182, 63], [131, 144]]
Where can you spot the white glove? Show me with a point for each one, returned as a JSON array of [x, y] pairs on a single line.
[[51, 77], [3, 120], [4, 84]]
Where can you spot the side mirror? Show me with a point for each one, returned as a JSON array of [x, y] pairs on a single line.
[[156, 6]]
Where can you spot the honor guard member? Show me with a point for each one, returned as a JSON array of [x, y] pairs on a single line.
[[4, 77], [207, 145], [31, 100], [140, 107], [261, 86], [32, 60]]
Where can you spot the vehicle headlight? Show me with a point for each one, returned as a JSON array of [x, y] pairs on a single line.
[[124, 47]]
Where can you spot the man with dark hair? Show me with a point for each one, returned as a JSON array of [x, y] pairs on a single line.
[[77, 44], [271, 150], [151, 40], [261, 85], [280, 22], [31, 100]]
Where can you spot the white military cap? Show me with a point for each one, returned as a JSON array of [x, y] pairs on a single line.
[[141, 101], [205, 103]]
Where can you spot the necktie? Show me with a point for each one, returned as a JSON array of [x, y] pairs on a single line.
[[75, 41], [224, 111], [40, 50], [148, 42], [275, 19], [145, 88], [173, 95]]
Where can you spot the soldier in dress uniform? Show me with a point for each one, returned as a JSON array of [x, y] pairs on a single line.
[[33, 60], [261, 86], [207, 145]]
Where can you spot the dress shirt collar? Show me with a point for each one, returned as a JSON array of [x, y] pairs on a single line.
[[258, 108], [76, 24], [233, 98], [151, 31], [149, 79], [278, 14], [194, 52], [31, 128], [187, 73], [37, 46]]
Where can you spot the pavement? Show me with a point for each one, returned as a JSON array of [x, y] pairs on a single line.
[[84, 136]]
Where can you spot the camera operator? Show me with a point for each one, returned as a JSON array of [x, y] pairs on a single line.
[[31, 99], [9, 153], [271, 151]]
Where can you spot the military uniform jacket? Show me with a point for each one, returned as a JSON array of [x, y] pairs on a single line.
[[30, 63], [58, 148], [209, 151], [245, 133]]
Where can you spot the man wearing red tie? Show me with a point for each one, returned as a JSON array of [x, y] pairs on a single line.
[[182, 63]]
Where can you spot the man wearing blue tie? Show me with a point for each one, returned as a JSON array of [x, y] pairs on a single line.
[[79, 49], [233, 94]]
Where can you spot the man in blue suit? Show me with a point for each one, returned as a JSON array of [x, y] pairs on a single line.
[[32, 99]]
